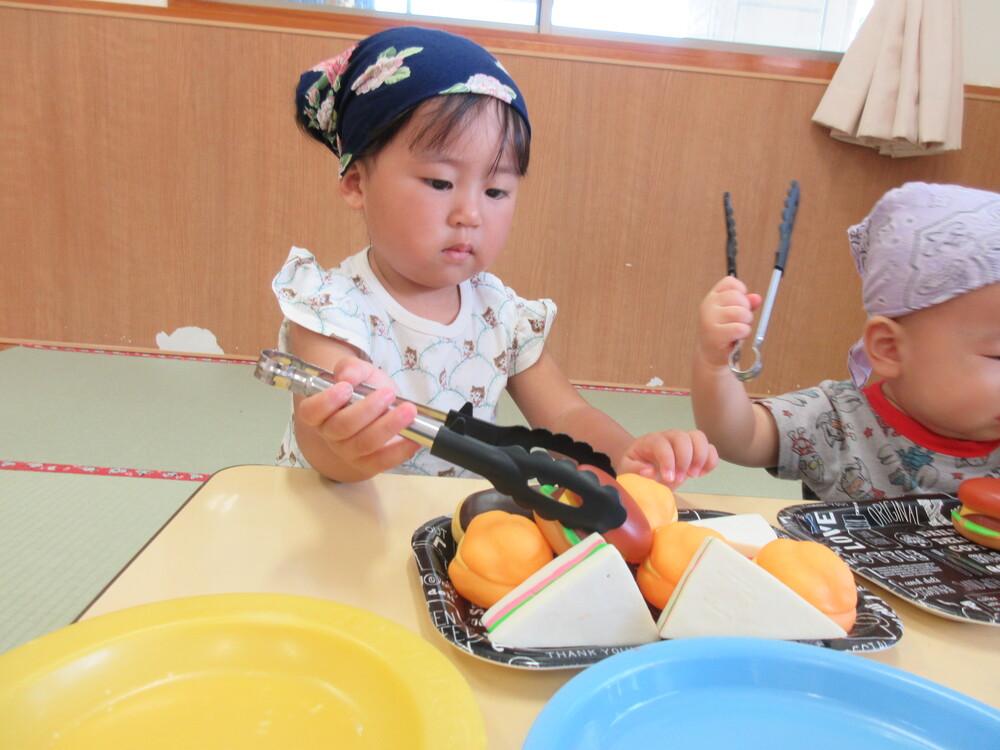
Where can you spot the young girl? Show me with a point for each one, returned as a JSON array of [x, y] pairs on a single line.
[[433, 139]]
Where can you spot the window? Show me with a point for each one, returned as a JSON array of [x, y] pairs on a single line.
[[515, 12], [827, 25], [823, 25]]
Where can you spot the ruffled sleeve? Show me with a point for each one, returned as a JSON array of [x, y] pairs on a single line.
[[534, 321], [333, 303]]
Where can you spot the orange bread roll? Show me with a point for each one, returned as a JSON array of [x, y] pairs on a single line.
[[674, 544], [817, 574], [482, 502], [654, 499], [498, 551]]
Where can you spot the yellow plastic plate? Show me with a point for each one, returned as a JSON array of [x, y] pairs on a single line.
[[235, 671]]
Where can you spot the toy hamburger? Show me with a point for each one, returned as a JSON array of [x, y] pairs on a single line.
[[978, 519]]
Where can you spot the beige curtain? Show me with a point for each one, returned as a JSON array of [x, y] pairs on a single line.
[[899, 85]]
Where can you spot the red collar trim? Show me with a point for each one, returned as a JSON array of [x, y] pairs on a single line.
[[911, 429]]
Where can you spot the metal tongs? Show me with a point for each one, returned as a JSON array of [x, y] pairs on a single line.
[[511, 458], [780, 257]]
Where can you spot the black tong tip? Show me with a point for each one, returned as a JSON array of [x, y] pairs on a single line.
[[788, 215]]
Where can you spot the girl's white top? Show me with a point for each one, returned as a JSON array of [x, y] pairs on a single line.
[[495, 335]]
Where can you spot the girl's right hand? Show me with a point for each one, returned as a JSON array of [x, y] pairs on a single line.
[[362, 438], [725, 317]]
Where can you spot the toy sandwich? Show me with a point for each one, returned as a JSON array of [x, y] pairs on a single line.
[[584, 597]]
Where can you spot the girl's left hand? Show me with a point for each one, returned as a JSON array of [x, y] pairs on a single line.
[[669, 457]]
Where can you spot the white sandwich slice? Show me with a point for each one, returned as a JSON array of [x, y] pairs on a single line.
[[587, 596], [747, 532], [723, 593]]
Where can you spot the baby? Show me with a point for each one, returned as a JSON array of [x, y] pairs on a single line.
[[929, 259]]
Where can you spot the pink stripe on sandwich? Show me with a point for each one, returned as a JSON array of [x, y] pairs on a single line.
[[582, 554]]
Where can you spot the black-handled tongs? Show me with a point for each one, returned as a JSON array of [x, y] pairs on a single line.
[[511, 458], [780, 257]]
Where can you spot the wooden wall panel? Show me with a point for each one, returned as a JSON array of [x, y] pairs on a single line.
[[153, 177]]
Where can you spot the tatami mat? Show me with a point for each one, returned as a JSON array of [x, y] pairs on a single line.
[[166, 414], [86, 408], [63, 537], [66, 532]]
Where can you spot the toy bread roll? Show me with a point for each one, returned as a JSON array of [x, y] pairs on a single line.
[[655, 500], [817, 574], [979, 517], [674, 545], [499, 550]]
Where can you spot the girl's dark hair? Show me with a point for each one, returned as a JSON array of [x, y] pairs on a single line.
[[451, 113]]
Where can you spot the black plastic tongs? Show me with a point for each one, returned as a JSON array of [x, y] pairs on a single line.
[[511, 458], [780, 257]]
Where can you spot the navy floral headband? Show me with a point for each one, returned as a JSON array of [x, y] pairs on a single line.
[[347, 98]]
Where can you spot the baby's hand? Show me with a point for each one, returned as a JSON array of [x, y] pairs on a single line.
[[363, 437], [726, 316], [670, 457]]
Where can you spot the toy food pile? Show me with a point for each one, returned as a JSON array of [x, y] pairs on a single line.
[[547, 586]]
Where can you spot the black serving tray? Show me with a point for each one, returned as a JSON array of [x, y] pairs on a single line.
[[458, 620], [909, 547]]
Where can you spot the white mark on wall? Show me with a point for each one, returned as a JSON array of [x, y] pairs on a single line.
[[654, 383], [189, 339]]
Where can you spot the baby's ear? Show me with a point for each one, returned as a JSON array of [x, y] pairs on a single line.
[[350, 187], [882, 345]]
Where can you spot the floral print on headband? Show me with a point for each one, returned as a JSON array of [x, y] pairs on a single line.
[[345, 99]]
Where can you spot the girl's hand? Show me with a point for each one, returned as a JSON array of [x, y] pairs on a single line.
[[725, 317], [362, 438], [670, 457]]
